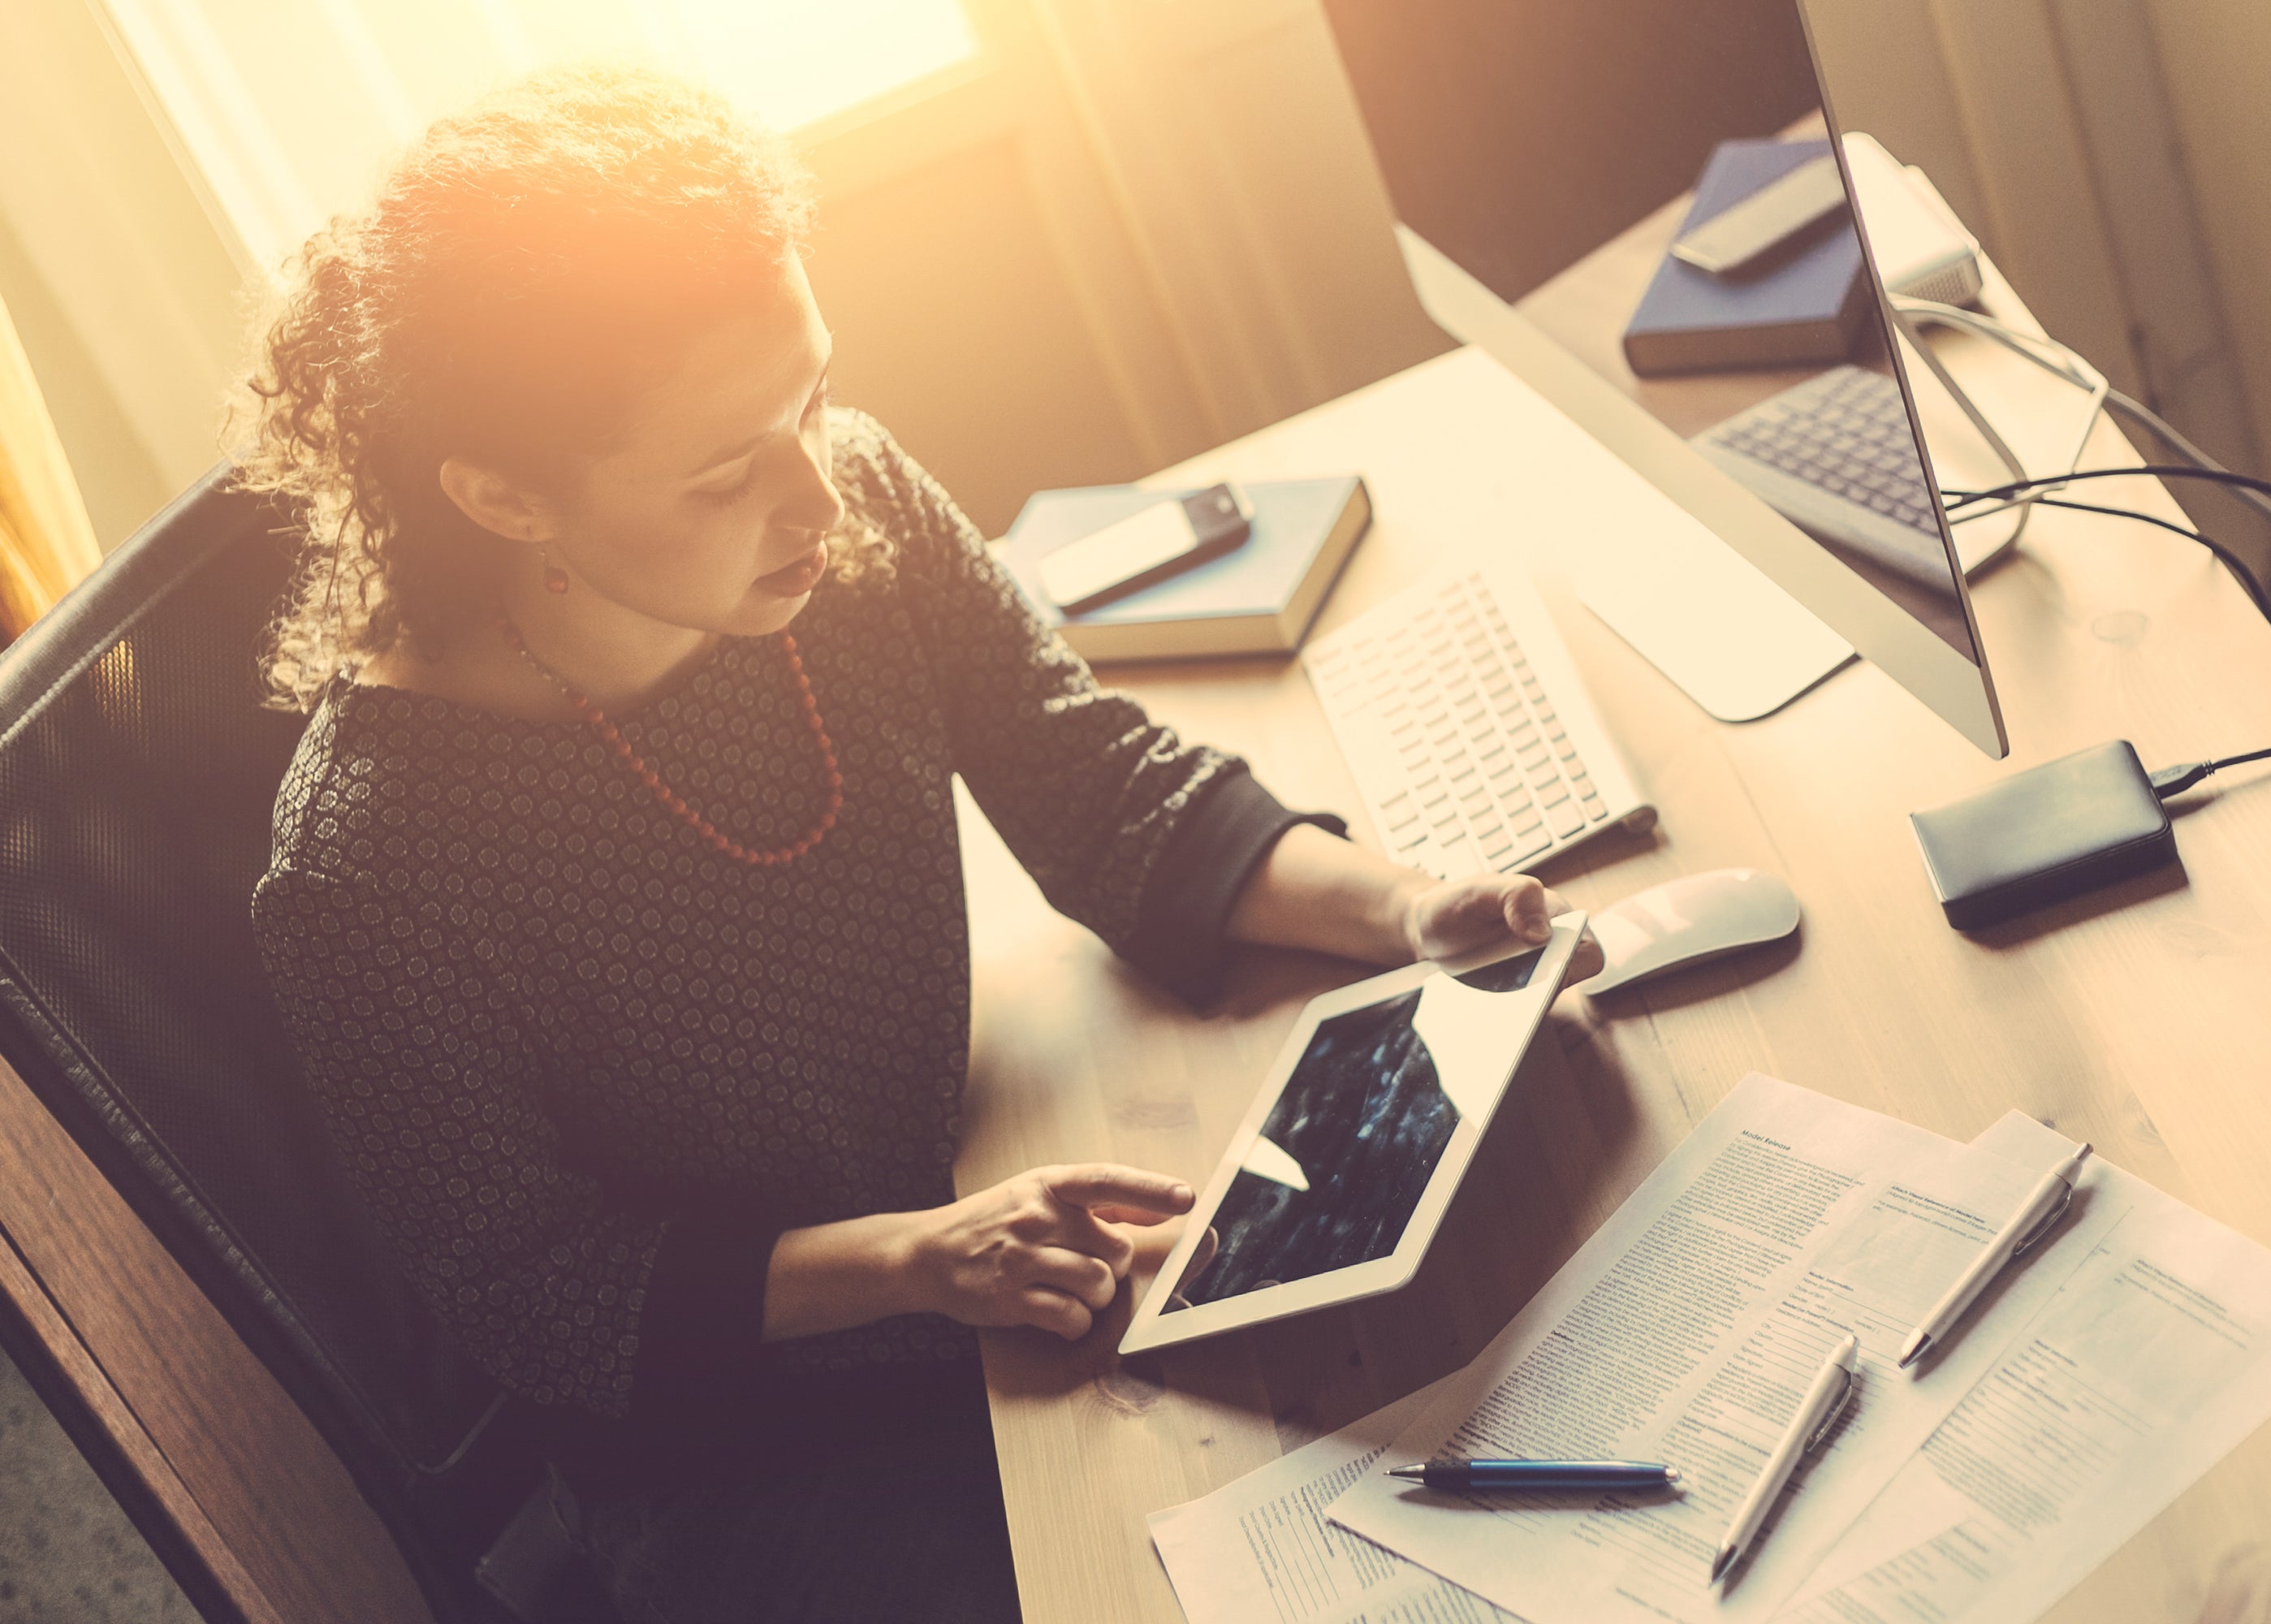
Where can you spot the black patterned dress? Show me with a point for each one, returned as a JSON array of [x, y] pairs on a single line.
[[585, 1068]]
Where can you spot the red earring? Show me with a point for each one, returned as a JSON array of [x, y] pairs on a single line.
[[555, 578]]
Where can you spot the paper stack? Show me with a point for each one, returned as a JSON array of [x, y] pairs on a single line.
[[2086, 1391]]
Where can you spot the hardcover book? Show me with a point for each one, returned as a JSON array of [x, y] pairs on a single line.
[[1803, 306], [1258, 597]]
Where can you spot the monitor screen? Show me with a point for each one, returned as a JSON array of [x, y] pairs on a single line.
[[1559, 152]]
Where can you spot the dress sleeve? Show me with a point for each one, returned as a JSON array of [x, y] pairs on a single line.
[[427, 1077], [1144, 839]]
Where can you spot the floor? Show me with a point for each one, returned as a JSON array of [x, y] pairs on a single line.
[[68, 1555]]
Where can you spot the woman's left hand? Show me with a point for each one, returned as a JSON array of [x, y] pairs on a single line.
[[1481, 910]]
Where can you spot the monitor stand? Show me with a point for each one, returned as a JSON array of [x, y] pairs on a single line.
[[1708, 618], [1700, 612]]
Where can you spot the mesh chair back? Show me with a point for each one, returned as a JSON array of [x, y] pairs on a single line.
[[138, 774]]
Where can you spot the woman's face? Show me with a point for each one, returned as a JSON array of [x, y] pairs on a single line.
[[710, 509]]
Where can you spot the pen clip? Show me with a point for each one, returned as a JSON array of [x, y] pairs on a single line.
[[1830, 1419], [2049, 1222]]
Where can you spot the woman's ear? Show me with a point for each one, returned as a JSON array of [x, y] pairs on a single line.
[[495, 502]]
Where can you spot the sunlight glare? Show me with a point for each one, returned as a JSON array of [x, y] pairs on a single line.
[[799, 60]]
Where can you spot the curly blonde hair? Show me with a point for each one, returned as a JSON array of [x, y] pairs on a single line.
[[514, 281]]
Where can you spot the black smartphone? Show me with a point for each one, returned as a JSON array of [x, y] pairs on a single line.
[[1147, 545]]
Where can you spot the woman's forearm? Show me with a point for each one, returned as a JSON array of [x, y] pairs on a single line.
[[1317, 891], [831, 1276]]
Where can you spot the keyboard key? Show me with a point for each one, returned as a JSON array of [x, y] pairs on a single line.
[[1525, 847], [1566, 819]]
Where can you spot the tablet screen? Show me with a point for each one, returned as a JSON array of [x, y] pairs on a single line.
[[1345, 1153]]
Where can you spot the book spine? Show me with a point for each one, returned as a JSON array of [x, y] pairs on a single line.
[[1159, 640]]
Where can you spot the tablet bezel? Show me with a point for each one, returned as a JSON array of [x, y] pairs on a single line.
[[1152, 1328]]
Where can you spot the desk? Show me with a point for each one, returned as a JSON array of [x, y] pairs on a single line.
[[2138, 1018]]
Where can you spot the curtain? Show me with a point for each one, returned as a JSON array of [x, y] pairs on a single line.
[[47, 547]]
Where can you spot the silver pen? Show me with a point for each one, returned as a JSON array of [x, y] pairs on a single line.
[[2036, 1218], [1817, 1413]]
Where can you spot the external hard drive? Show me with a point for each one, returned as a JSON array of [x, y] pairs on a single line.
[[2039, 836]]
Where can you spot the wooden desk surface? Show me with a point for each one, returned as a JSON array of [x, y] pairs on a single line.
[[2137, 1019]]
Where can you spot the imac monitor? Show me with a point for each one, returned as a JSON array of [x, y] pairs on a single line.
[[1544, 159]]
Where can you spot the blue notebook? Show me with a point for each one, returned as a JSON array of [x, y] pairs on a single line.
[[1258, 597], [1803, 308]]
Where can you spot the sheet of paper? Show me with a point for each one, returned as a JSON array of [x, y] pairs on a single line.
[[1260, 1549], [1897, 1523], [1685, 1331], [1416, 1596], [2150, 1364]]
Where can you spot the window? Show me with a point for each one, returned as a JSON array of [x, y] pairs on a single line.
[[289, 109], [798, 61]]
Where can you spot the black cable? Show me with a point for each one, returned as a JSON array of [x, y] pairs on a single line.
[[2256, 593], [2166, 471], [2175, 780], [2137, 411]]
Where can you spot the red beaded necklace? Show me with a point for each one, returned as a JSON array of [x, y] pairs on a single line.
[[685, 813]]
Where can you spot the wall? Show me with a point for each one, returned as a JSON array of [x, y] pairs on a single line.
[[2103, 156], [118, 476], [2219, 51], [1143, 231], [126, 294]]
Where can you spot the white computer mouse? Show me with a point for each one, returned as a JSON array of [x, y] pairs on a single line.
[[1697, 916]]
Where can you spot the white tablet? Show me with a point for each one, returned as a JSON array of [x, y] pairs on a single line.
[[1339, 1177]]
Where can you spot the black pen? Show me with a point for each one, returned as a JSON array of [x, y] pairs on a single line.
[[1539, 1475]]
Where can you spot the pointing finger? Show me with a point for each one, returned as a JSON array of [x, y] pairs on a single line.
[[1126, 1215], [1108, 1184]]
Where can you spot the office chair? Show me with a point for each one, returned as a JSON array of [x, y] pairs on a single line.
[[138, 772]]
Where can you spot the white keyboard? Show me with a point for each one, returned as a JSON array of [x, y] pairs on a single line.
[[1470, 734]]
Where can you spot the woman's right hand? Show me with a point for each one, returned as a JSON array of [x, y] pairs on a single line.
[[1046, 1249]]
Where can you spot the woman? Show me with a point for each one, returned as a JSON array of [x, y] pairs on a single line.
[[616, 907]]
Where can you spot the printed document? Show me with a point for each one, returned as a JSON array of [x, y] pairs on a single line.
[[1259, 1550], [2145, 1370], [1685, 1331]]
